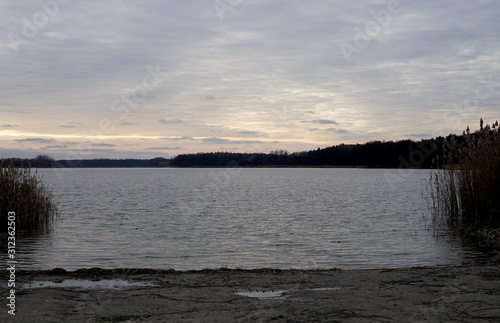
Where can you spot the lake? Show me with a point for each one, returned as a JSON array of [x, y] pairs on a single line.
[[240, 218]]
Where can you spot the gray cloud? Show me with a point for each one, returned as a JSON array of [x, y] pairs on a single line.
[[177, 138], [103, 145], [165, 121], [8, 126], [55, 147], [163, 148], [253, 133], [323, 121], [36, 140], [215, 140], [66, 126], [340, 131]]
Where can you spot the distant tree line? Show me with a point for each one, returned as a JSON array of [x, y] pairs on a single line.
[[382, 154], [44, 161], [390, 154], [40, 161], [114, 163]]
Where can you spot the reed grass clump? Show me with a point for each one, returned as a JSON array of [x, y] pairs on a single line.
[[466, 187], [22, 192]]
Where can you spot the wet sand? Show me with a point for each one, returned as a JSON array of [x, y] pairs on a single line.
[[429, 294]]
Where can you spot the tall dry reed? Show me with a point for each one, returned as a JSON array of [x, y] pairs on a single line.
[[22, 192], [466, 187]]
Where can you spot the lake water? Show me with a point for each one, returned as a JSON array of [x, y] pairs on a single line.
[[239, 218]]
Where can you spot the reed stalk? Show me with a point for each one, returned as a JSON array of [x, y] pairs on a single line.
[[22, 192], [466, 187]]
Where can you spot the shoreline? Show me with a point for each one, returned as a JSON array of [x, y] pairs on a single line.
[[438, 294]]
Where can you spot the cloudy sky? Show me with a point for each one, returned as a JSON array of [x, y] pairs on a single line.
[[140, 79]]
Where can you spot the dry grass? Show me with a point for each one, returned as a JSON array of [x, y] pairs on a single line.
[[466, 188], [24, 193]]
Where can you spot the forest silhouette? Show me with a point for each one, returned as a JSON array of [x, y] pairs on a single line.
[[373, 154]]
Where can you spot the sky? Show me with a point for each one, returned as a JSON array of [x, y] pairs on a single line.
[[144, 79]]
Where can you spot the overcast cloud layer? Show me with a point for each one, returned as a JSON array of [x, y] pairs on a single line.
[[87, 79]]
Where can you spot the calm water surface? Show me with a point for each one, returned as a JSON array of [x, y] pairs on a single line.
[[246, 218]]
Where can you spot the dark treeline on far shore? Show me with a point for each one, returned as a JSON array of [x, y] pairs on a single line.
[[383, 154], [44, 161], [404, 153]]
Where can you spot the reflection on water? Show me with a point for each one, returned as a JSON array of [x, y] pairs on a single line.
[[249, 218]]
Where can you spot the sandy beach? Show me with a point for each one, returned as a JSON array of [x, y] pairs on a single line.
[[428, 294]]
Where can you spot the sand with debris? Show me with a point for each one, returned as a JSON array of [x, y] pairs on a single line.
[[429, 294]]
